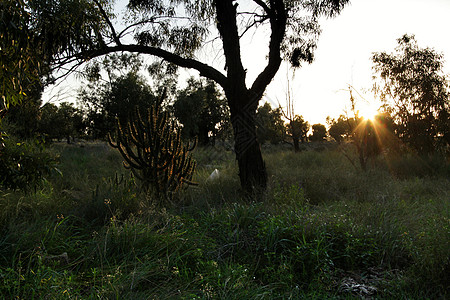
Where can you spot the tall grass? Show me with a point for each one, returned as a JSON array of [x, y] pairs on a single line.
[[322, 224]]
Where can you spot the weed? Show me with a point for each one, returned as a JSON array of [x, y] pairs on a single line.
[[322, 229]]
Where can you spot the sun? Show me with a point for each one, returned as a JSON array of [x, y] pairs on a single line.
[[369, 112]]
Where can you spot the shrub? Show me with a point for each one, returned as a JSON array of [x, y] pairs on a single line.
[[24, 165]]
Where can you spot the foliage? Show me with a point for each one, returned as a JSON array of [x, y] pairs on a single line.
[[365, 138], [313, 234], [29, 120], [412, 84], [340, 129], [104, 102], [370, 137], [174, 31], [299, 128], [20, 56], [22, 119], [24, 165], [319, 133], [202, 111], [65, 121], [152, 148], [269, 124]]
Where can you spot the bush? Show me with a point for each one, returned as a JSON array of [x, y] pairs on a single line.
[[24, 165]]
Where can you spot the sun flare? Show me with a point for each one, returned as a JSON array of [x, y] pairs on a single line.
[[369, 112]]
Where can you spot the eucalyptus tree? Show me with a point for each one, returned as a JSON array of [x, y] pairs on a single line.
[[74, 31], [202, 110], [319, 133], [269, 124], [19, 58], [297, 127], [412, 84]]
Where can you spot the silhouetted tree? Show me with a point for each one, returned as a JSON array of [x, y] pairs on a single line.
[[340, 128], [73, 124], [369, 136], [116, 99], [21, 118], [50, 123], [269, 124], [412, 83], [202, 110], [297, 127], [82, 29], [65, 121], [319, 133]]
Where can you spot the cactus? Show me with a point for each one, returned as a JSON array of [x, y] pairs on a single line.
[[151, 147]]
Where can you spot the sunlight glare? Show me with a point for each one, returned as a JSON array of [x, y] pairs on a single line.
[[369, 112]]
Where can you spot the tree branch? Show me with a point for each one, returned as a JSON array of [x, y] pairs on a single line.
[[226, 24], [263, 5], [255, 22], [108, 21], [204, 69], [278, 20]]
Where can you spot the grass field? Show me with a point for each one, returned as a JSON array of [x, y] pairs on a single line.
[[323, 230]]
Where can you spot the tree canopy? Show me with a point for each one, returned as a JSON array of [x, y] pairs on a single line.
[[202, 110], [340, 128], [19, 56], [412, 83], [269, 124], [319, 133], [73, 31], [106, 101]]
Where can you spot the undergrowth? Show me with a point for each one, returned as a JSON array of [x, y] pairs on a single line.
[[323, 230]]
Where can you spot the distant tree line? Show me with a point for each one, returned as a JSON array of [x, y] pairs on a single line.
[[418, 119]]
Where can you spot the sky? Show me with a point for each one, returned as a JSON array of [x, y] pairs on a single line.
[[345, 47], [343, 55]]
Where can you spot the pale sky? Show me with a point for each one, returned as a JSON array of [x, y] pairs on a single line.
[[343, 55], [346, 45]]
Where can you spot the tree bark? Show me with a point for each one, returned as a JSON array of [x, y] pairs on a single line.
[[295, 140], [252, 169]]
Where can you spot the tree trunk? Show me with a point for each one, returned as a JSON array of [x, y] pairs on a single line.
[[295, 133], [252, 169], [295, 140], [203, 139]]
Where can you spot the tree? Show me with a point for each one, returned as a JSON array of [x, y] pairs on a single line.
[[369, 136], [20, 57], [319, 133], [412, 83], [107, 101], [202, 110], [340, 128], [297, 127], [73, 123], [65, 121], [50, 124], [174, 30], [21, 119], [269, 124], [298, 130]]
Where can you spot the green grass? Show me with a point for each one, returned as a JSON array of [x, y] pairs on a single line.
[[322, 223]]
